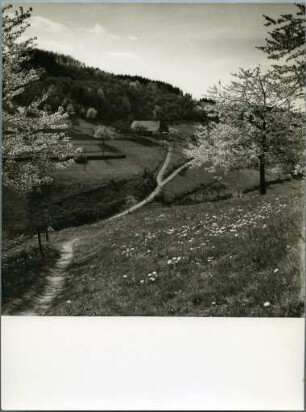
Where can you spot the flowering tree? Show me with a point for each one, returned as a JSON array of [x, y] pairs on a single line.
[[103, 133], [287, 42], [257, 126], [34, 141], [91, 113]]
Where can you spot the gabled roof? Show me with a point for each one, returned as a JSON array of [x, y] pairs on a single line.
[[149, 125]]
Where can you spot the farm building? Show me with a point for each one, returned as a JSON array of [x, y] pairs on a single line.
[[151, 126]]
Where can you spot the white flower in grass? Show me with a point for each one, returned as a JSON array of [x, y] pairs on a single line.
[[142, 281], [152, 279], [68, 301], [267, 304], [124, 276], [276, 270]]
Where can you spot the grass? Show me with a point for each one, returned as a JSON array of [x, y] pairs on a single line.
[[201, 185], [239, 257], [95, 146], [82, 205], [139, 157]]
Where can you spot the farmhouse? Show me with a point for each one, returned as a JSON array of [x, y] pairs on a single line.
[[151, 126]]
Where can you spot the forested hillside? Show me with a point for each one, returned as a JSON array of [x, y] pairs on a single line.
[[88, 92]]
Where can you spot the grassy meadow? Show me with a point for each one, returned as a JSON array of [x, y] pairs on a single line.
[[239, 257]]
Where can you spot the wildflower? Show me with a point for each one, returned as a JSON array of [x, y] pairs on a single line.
[[124, 276], [142, 281], [213, 303], [68, 301], [267, 304], [276, 270]]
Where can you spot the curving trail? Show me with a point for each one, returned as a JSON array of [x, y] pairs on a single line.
[[160, 183], [55, 281]]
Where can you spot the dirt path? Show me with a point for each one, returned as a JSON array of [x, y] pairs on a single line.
[[55, 281], [160, 183]]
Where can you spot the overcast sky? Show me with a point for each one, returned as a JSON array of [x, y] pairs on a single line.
[[189, 46]]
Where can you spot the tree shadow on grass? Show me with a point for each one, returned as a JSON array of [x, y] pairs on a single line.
[[23, 278]]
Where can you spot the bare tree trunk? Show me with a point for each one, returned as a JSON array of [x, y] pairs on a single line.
[[262, 175], [47, 235], [40, 244]]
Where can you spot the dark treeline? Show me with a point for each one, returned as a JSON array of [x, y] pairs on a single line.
[[114, 99]]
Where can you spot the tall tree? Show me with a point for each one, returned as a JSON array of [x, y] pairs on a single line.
[[34, 141], [286, 43], [257, 126]]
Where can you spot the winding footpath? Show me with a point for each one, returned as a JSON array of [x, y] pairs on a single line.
[[55, 281], [160, 183], [56, 276]]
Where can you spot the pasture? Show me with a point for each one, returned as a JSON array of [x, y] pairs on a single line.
[[139, 157]]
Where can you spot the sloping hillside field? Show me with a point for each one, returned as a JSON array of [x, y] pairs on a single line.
[[239, 257]]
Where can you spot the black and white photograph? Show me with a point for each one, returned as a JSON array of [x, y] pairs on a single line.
[[153, 160]]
